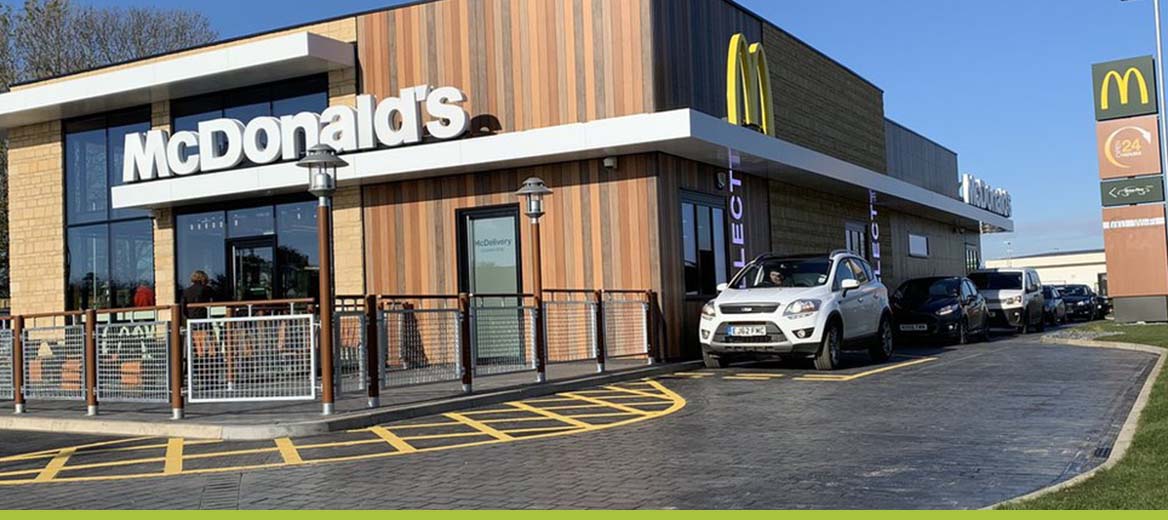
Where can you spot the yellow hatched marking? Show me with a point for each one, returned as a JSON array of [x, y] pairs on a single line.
[[54, 452], [852, 377], [602, 402], [517, 419], [548, 400], [337, 444], [542, 429], [609, 414], [479, 426], [574, 406], [747, 378], [408, 426], [550, 415], [487, 412], [54, 466], [443, 436], [288, 451], [638, 393], [393, 440], [174, 456], [231, 453]]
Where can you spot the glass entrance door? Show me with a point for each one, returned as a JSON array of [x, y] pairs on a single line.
[[489, 265], [252, 269]]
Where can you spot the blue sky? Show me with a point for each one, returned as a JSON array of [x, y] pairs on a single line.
[[1005, 83]]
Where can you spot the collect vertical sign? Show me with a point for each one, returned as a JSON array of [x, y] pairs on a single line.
[[874, 232], [737, 222]]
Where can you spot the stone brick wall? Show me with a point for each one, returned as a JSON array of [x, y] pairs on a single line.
[[348, 216], [164, 276], [36, 218], [822, 105], [946, 247]]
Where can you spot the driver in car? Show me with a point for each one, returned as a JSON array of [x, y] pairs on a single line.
[[776, 278]]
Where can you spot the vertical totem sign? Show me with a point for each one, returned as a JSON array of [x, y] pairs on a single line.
[[737, 222], [748, 103], [1131, 188], [874, 231]]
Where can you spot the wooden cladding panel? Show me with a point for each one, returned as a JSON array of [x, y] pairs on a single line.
[[681, 315], [692, 37], [599, 230], [522, 63]]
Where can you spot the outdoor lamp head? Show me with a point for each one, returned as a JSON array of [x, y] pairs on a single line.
[[322, 162], [533, 190]]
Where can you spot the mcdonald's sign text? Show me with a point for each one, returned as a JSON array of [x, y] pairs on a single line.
[[1124, 88]]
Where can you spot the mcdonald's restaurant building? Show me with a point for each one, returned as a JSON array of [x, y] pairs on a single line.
[[125, 179]]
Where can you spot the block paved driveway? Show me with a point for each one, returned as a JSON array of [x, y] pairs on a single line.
[[958, 427]]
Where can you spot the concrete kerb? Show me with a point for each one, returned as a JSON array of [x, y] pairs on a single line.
[[1126, 433], [345, 421]]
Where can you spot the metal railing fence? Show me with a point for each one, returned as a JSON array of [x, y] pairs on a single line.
[[626, 327], [570, 327], [349, 351], [6, 364], [133, 361], [255, 358], [54, 362], [419, 345], [502, 336]]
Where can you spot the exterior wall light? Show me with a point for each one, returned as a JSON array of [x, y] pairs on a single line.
[[533, 190]]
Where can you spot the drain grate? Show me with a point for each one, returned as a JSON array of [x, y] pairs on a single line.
[[221, 492], [1103, 452]]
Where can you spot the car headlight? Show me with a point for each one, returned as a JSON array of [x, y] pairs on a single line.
[[1080, 304], [1013, 300], [708, 311], [800, 308], [948, 309]]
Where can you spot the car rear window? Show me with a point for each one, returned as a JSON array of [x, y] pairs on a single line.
[[997, 281]]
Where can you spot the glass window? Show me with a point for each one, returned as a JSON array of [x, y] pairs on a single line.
[[783, 272], [842, 272], [87, 267], [703, 234], [996, 281], [297, 256], [858, 271], [854, 238], [250, 222], [132, 266], [110, 252], [86, 186], [202, 247], [918, 245]]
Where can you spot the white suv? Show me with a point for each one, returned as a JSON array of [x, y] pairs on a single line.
[[802, 306], [1013, 296]]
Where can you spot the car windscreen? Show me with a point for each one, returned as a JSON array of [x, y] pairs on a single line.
[[916, 291], [1074, 290], [997, 281], [1047, 292], [780, 272]]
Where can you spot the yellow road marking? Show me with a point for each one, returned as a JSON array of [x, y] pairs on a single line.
[[637, 393], [408, 426], [288, 451], [758, 374], [695, 374], [852, 377], [516, 419], [676, 402], [543, 429], [443, 436], [54, 466], [748, 378], [231, 453], [479, 426], [550, 415], [174, 456], [594, 400], [54, 452], [548, 400], [492, 411], [336, 444], [393, 440], [574, 406]]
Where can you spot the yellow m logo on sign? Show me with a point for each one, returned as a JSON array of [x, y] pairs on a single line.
[[748, 86], [1123, 83]]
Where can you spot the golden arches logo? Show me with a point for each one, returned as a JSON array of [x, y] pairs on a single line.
[[748, 86], [1123, 84]]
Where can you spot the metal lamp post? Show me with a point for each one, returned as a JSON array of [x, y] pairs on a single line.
[[533, 192], [322, 163]]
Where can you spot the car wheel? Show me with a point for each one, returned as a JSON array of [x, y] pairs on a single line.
[[829, 349], [962, 333], [984, 333], [715, 361], [881, 348], [1024, 328]]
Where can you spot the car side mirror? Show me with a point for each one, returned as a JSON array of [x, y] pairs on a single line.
[[849, 284], [721, 287]]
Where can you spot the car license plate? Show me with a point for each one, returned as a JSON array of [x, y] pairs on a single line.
[[747, 330], [914, 327]]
